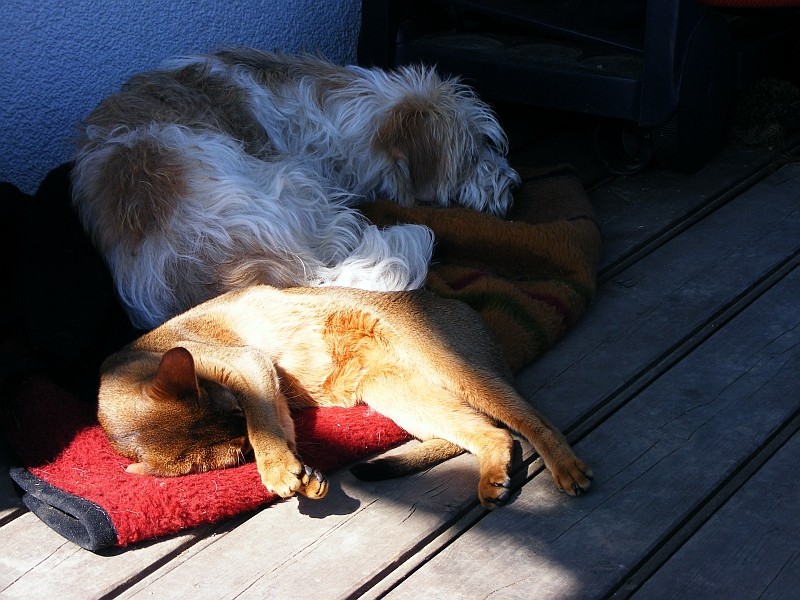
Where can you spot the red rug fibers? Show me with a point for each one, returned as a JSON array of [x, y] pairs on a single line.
[[58, 437]]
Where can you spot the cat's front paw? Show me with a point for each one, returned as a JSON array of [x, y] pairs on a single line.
[[572, 475], [286, 476], [282, 478], [313, 484]]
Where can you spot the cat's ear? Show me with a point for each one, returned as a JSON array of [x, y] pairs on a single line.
[[175, 377]]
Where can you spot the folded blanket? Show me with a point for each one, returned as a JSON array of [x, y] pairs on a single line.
[[529, 277]]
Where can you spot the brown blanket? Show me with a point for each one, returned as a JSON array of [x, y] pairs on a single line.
[[529, 277]]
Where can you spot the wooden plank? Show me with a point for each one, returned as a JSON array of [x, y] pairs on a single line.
[[36, 562], [636, 214], [693, 523], [656, 461], [335, 539], [662, 301], [749, 549]]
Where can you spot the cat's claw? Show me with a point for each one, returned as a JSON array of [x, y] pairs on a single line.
[[574, 477], [494, 493], [313, 483]]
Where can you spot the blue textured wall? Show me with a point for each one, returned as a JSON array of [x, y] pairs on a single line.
[[60, 57]]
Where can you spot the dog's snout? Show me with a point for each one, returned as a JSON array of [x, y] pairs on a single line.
[[508, 180]]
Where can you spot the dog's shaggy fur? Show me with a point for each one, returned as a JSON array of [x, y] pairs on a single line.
[[242, 167]]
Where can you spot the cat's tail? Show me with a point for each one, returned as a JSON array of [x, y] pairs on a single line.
[[423, 456]]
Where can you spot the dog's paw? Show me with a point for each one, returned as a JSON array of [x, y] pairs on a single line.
[[494, 488], [491, 187], [572, 476]]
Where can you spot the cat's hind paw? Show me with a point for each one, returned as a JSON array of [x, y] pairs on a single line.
[[572, 476], [494, 491]]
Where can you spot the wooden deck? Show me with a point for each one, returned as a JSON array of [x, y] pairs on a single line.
[[680, 386]]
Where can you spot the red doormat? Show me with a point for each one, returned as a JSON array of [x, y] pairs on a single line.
[[77, 484], [529, 277]]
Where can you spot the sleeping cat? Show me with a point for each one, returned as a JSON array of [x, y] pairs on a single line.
[[200, 391]]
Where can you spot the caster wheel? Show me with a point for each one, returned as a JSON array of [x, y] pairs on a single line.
[[623, 148], [693, 135]]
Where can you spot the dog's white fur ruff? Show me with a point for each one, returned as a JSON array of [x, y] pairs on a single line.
[[257, 185]]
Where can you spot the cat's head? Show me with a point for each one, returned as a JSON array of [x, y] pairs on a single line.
[[169, 422]]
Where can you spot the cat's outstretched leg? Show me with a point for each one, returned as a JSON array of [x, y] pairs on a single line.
[[497, 399], [282, 472], [444, 416]]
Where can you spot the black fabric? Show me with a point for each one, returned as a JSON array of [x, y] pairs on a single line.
[[68, 309], [73, 517], [13, 204], [59, 315]]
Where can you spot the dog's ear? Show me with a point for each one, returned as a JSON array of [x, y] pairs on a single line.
[[411, 137], [175, 378]]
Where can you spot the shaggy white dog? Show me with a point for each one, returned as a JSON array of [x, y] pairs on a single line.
[[242, 167]]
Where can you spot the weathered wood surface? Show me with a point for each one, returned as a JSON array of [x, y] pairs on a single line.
[[645, 316], [750, 548], [637, 214], [696, 310]]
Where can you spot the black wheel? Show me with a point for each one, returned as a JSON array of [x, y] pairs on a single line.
[[693, 135], [623, 148]]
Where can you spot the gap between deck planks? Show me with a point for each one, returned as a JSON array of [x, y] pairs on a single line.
[[68, 575], [637, 215], [660, 303], [777, 507]]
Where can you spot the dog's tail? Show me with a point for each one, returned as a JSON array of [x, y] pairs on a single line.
[[392, 259]]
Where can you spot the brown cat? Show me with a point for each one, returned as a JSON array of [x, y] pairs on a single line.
[[199, 391]]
